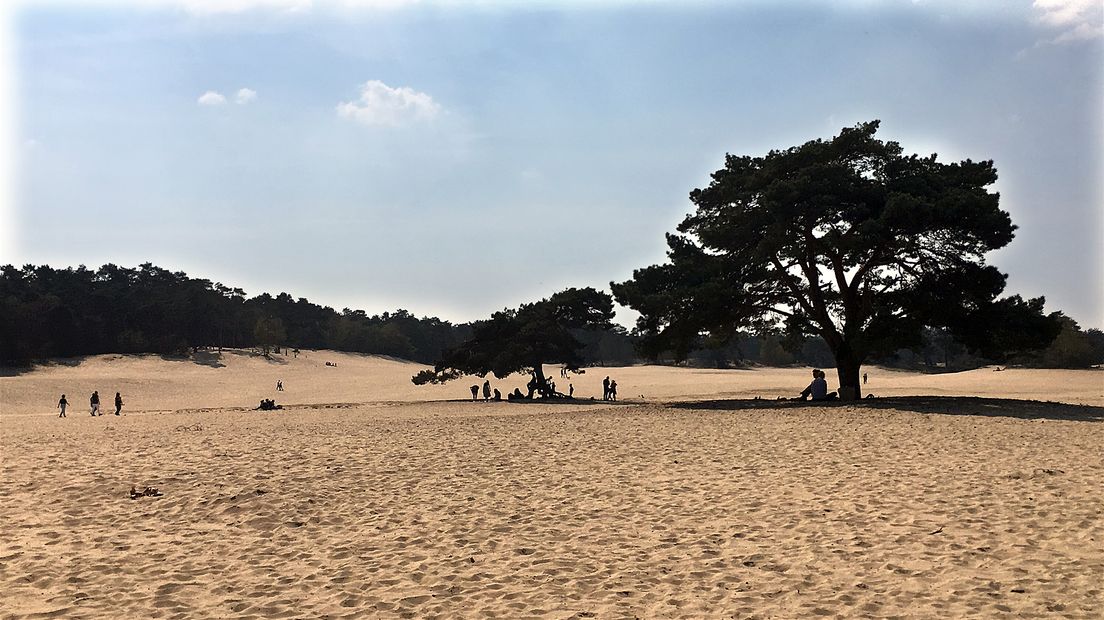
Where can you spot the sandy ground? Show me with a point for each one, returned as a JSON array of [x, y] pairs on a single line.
[[953, 495]]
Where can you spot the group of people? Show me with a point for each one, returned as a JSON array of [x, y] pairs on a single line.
[[94, 403], [488, 394], [609, 389], [544, 387]]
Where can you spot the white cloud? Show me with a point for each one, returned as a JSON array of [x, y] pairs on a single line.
[[245, 95], [211, 98], [379, 104], [1078, 19], [222, 7], [213, 7]]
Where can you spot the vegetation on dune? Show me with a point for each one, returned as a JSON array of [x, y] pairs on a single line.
[[523, 339], [50, 312], [847, 239]]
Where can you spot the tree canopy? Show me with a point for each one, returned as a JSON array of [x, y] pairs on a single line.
[[523, 339], [848, 239]]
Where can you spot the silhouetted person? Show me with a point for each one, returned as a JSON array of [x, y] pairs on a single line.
[[605, 388], [818, 389], [95, 403], [613, 390], [864, 378], [280, 386], [570, 391], [487, 390], [475, 392], [515, 395], [809, 389], [118, 403], [497, 395], [62, 404]]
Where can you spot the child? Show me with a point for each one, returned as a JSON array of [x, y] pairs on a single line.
[[62, 404]]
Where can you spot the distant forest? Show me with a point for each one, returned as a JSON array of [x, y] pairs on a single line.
[[47, 313]]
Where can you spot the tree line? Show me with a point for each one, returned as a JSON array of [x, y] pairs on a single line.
[[47, 312], [71, 312], [50, 313]]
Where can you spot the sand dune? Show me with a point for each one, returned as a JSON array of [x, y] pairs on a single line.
[[369, 497]]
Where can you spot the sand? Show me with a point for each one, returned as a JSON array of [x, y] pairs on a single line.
[[954, 495]]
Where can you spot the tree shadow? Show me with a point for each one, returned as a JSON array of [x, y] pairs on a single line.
[[945, 405], [212, 359], [15, 371], [208, 358]]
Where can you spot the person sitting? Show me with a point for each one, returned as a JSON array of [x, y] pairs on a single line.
[[818, 389], [515, 395], [497, 395]]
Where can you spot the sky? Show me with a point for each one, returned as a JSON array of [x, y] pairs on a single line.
[[456, 158]]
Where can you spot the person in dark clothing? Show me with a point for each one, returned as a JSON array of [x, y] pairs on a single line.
[[475, 392], [818, 389], [118, 403], [605, 388], [487, 390], [497, 395], [95, 403], [613, 390], [62, 404]]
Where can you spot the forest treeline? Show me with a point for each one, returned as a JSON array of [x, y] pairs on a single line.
[[47, 313]]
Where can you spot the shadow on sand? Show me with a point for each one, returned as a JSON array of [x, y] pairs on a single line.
[[15, 371], [946, 405], [214, 359], [203, 358]]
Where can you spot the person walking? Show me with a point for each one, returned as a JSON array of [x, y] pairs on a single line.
[[864, 377], [95, 403], [118, 403], [62, 404]]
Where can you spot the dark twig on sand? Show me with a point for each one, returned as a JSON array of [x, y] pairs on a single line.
[[146, 492]]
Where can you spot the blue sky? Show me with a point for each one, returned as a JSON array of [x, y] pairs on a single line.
[[454, 158]]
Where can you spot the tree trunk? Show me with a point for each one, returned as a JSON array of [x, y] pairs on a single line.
[[848, 368], [541, 386]]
